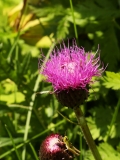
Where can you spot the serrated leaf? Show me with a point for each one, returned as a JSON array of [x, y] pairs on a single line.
[[100, 121], [55, 10], [110, 52], [62, 29], [109, 4], [106, 151], [96, 11], [112, 80]]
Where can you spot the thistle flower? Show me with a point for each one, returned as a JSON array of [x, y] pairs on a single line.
[[70, 70], [53, 148]]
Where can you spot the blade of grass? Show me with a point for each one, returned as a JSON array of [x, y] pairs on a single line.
[[67, 118], [75, 28], [29, 140], [80, 146], [15, 85], [34, 152], [13, 47], [32, 103], [113, 120], [13, 142]]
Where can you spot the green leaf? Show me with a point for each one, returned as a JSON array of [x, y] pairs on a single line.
[[25, 64], [107, 152], [100, 122], [93, 10], [6, 69], [110, 47], [13, 143], [6, 120], [54, 10], [34, 152], [112, 80], [7, 141], [62, 29]]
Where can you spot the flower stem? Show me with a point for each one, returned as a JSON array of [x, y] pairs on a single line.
[[86, 133]]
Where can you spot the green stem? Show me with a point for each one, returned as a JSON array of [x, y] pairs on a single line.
[[113, 120], [14, 146], [75, 29], [86, 133]]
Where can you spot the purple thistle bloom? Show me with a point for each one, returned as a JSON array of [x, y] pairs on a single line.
[[71, 68]]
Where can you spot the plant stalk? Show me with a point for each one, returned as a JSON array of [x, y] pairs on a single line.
[[75, 28], [86, 132]]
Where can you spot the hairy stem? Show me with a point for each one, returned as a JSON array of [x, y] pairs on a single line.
[[86, 133]]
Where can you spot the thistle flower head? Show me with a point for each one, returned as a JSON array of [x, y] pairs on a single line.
[[72, 69], [53, 148]]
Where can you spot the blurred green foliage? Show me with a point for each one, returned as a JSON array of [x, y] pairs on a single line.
[[25, 28]]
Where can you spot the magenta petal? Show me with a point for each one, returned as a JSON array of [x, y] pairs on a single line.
[[72, 68]]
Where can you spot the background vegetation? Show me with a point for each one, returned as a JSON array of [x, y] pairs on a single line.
[[26, 118]]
